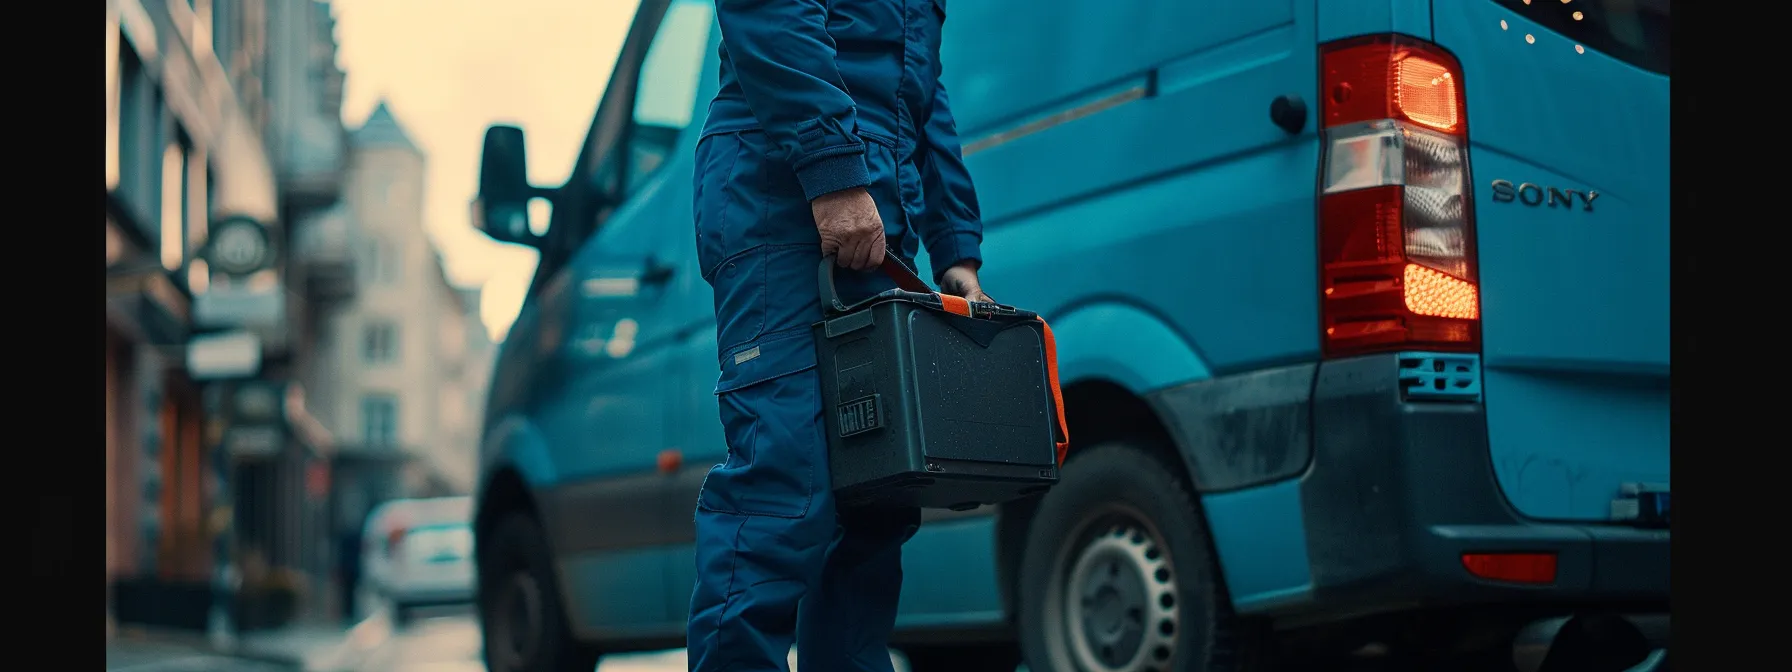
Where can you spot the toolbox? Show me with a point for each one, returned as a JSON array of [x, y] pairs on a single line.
[[934, 401]]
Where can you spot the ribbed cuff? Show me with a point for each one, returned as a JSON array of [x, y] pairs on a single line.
[[952, 250], [834, 173]]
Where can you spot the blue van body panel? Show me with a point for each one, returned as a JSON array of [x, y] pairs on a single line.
[[626, 604], [1340, 20], [1075, 50], [1575, 298], [1120, 343], [1261, 540], [1097, 174], [1146, 244], [514, 443], [949, 578]]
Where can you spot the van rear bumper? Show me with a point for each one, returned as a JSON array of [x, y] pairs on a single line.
[[1399, 490]]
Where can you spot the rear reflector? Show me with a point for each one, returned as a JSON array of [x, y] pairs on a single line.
[[1528, 568]]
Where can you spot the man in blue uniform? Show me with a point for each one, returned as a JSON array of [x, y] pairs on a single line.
[[830, 135]]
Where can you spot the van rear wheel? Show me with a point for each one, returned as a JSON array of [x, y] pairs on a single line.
[[523, 623], [1119, 575]]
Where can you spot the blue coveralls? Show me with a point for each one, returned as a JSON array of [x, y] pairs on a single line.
[[782, 130]]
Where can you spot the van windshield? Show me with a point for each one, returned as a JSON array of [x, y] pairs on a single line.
[[1633, 31]]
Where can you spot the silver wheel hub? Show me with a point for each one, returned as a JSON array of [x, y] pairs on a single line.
[[1120, 603]]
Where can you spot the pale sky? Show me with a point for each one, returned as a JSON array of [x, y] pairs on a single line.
[[449, 68]]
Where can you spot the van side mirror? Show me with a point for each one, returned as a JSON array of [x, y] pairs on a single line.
[[501, 209]]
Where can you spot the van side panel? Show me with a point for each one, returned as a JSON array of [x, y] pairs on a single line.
[[1009, 60], [1339, 20], [1574, 295], [950, 576], [1225, 257], [1261, 540], [515, 442], [1123, 344], [1131, 191]]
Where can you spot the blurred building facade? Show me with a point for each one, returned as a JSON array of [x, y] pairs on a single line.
[[223, 116], [408, 354]]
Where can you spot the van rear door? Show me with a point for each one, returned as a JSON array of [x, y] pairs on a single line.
[[1568, 128]]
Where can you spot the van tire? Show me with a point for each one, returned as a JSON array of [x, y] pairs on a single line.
[[522, 621], [1122, 528]]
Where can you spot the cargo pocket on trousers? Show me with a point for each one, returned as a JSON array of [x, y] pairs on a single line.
[[771, 419], [713, 197], [739, 284]]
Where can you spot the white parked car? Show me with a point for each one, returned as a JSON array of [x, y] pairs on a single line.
[[419, 553]]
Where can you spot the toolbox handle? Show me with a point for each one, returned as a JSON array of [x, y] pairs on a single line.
[[907, 280]]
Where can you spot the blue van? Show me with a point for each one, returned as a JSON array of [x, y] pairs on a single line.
[[1362, 311]]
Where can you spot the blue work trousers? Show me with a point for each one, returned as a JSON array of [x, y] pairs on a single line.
[[777, 561]]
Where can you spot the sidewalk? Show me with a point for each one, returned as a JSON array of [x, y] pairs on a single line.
[[140, 650], [313, 647], [301, 646]]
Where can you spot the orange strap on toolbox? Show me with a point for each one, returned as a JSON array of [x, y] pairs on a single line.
[[1051, 372], [958, 305]]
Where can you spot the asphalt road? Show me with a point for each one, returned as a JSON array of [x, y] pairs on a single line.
[[133, 656], [448, 641]]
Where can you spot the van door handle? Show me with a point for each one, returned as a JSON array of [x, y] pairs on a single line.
[[1289, 112], [657, 272]]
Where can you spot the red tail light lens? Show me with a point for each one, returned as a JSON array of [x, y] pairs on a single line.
[[1396, 222], [1393, 77], [393, 539]]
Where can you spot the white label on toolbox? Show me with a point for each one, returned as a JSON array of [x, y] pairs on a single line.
[[859, 416]]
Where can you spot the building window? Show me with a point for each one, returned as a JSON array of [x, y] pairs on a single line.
[[139, 155], [379, 343], [379, 420], [383, 261]]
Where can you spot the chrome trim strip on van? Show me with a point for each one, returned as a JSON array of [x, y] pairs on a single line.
[[1124, 96]]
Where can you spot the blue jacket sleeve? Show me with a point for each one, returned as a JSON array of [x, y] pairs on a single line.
[[953, 228], [784, 59]]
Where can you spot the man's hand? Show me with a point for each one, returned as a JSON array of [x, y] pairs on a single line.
[[961, 280], [850, 228]]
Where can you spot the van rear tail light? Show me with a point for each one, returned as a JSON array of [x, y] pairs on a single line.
[[395, 540], [1396, 240]]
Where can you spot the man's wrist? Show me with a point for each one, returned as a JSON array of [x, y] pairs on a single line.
[[954, 249], [961, 278]]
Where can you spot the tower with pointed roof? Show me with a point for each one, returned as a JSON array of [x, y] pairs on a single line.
[[382, 130], [400, 348]]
